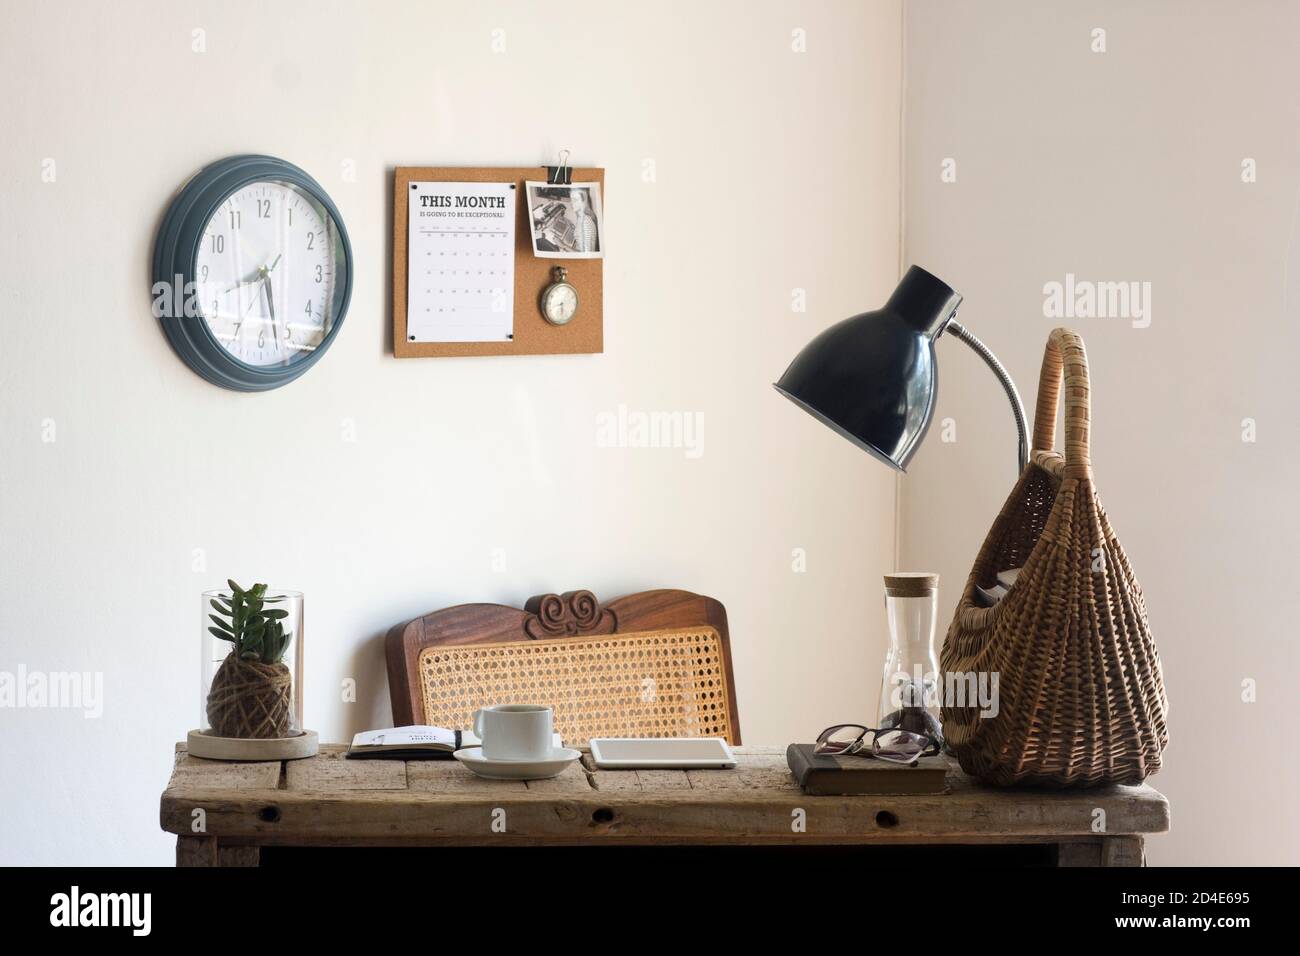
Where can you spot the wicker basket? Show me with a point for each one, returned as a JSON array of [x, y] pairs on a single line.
[[1081, 701]]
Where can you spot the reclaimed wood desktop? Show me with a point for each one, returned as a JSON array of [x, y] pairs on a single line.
[[330, 801]]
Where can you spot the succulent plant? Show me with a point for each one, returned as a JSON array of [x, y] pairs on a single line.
[[257, 632]]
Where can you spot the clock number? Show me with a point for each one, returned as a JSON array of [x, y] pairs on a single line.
[[320, 274], [311, 240], [261, 339], [308, 309], [264, 209], [204, 274], [236, 218], [218, 243], [215, 311]]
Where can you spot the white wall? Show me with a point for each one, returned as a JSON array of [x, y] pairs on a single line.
[[1126, 165], [452, 458]]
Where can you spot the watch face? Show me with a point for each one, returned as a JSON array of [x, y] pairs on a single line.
[[560, 303], [267, 270]]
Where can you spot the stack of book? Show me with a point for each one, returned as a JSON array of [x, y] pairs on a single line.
[[820, 775]]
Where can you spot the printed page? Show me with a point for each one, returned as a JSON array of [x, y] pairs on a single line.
[[461, 262], [405, 737]]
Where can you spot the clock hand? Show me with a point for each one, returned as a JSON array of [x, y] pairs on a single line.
[[267, 277], [271, 307], [270, 303], [240, 323], [255, 276]]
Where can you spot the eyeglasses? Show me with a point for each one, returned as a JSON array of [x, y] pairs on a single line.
[[885, 743]]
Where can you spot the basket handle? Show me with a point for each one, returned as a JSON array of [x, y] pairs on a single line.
[[1065, 362]]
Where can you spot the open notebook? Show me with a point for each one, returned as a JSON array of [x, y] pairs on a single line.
[[414, 743]]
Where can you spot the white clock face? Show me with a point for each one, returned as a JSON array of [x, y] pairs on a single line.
[[560, 304], [266, 273]]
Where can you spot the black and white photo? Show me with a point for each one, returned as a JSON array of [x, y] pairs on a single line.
[[566, 221]]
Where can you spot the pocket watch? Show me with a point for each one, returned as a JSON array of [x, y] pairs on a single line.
[[559, 299]]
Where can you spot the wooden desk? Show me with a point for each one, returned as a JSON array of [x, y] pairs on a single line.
[[329, 801]]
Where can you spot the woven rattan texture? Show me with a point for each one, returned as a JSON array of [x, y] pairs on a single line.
[[646, 684], [1081, 699]]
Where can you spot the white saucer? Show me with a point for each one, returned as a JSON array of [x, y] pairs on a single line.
[[552, 766]]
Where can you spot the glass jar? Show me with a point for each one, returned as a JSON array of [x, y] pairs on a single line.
[[256, 694], [909, 691]]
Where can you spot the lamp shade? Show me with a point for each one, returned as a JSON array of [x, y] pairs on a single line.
[[872, 377]]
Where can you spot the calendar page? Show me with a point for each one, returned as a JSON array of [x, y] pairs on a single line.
[[461, 262]]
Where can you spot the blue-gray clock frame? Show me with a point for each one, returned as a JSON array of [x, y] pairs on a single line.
[[176, 251]]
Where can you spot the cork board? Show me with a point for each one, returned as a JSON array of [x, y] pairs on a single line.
[[533, 334]]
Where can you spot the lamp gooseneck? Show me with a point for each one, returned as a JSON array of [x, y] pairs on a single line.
[[991, 360]]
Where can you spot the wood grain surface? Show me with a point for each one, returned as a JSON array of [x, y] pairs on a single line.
[[330, 801]]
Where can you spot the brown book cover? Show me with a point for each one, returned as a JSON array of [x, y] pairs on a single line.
[[825, 776]]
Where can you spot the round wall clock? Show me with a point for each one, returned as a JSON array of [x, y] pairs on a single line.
[[259, 269]]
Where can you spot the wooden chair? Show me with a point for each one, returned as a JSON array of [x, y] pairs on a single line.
[[653, 664]]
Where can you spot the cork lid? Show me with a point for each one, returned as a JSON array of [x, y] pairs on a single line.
[[911, 584]]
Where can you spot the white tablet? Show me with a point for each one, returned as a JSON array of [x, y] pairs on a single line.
[[689, 753]]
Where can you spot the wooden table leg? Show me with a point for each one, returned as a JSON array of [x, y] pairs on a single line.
[[1122, 851], [239, 855], [196, 851], [1109, 851], [207, 851], [1078, 854]]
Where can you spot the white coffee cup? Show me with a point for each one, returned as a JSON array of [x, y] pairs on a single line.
[[515, 731]]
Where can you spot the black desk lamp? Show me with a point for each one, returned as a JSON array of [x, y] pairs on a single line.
[[872, 377]]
